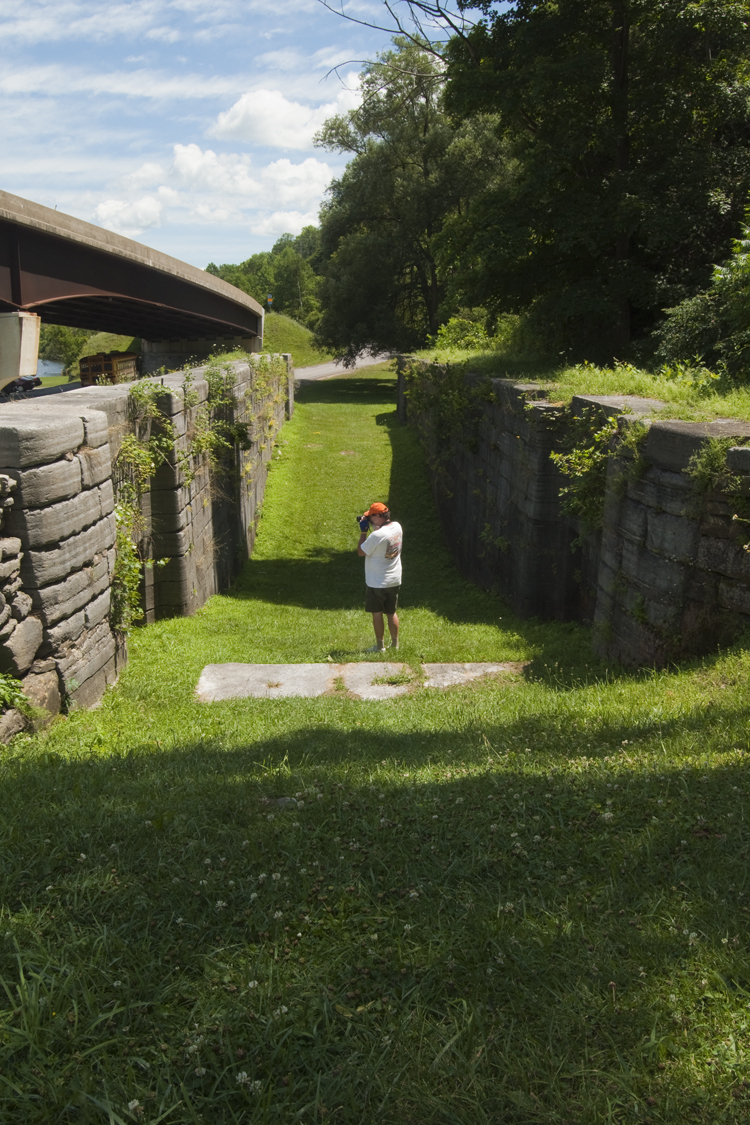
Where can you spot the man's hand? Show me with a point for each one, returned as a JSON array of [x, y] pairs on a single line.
[[364, 524]]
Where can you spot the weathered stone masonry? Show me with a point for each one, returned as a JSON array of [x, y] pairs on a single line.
[[57, 528], [667, 577]]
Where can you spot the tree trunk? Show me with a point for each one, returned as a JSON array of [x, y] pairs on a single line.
[[620, 43]]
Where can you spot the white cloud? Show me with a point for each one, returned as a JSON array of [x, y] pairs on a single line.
[[267, 117], [283, 222], [220, 189], [131, 218]]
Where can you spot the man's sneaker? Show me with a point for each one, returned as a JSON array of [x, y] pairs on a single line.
[[394, 644], [376, 648]]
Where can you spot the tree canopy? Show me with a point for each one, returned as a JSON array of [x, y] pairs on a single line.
[[381, 225], [627, 125], [288, 271]]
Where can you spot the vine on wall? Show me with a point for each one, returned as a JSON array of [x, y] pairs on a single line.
[[212, 433]]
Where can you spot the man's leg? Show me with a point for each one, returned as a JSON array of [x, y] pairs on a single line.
[[379, 627], [393, 628]]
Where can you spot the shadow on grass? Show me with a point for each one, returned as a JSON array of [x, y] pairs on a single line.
[[500, 938]]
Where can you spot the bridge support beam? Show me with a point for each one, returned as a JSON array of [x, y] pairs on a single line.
[[19, 345], [174, 354]]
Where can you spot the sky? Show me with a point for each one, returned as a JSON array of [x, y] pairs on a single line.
[[185, 124]]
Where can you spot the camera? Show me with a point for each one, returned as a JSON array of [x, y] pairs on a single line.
[[363, 522]]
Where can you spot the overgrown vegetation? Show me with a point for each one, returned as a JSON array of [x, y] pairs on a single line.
[[212, 433], [522, 901], [11, 692], [583, 461], [288, 274]]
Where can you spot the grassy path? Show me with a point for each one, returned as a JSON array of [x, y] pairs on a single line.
[[512, 902]]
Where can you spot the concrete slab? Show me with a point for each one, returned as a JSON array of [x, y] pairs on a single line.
[[358, 678], [263, 681], [448, 675], [220, 682]]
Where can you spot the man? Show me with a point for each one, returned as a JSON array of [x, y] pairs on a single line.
[[381, 550]]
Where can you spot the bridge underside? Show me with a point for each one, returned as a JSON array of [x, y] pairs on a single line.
[[67, 280]]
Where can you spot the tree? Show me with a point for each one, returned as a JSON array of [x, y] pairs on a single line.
[[63, 344], [627, 127], [381, 225], [287, 271]]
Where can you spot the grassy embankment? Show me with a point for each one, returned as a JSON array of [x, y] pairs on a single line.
[[691, 398], [522, 901]]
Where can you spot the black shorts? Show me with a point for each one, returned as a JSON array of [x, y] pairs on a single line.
[[381, 599]]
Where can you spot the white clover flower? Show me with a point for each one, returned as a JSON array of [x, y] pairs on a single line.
[[270, 816], [117, 984], [220, 905], [252, 984], [231, 882], [459, 800], [435, 816], [276, 876], [133, 1105], [608, 815], [245, 843], [262, 877], [203, 883], [253, 896], [200, 1071], [50, 887], [407, 928], [300, 804], [414, 894], [81, 857], [243, 1078], [303, 871], [278, 914], [175, 880], [208, 861]]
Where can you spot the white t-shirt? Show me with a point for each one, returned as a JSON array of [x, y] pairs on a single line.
[[383, 551]]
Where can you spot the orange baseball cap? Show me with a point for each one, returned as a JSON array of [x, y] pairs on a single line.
[[377, 509]]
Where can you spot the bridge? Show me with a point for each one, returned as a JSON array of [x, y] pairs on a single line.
[[57, 269]]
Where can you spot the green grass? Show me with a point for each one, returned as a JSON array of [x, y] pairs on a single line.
[[520, 901], [686, 398], [282, 334]]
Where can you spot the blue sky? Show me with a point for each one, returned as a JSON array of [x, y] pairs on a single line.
[[187, 125]]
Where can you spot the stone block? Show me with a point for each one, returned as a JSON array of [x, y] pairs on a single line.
[[611, 406], [738, 459], [673, 536], [21, 606], [651, 574], [10, 548], [10, 587], [18, 651], [39, 527], [43, 691], [68, 629], [633, 522], [724, 557], [29, 438], [44, 567], [63, 599], [92, 652], [96, 466], [97, 609], [670, 445], [734, 596], [48, 484], [9, 568], [5, 613], [11, 722]]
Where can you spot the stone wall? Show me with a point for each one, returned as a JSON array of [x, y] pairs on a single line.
[[667, 577], [57, 535]]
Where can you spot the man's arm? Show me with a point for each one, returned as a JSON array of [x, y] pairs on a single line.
[[362, 538]]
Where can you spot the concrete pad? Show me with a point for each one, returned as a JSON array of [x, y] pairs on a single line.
[[219, 682], [263, 681], [448, 675], [358, 679]]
